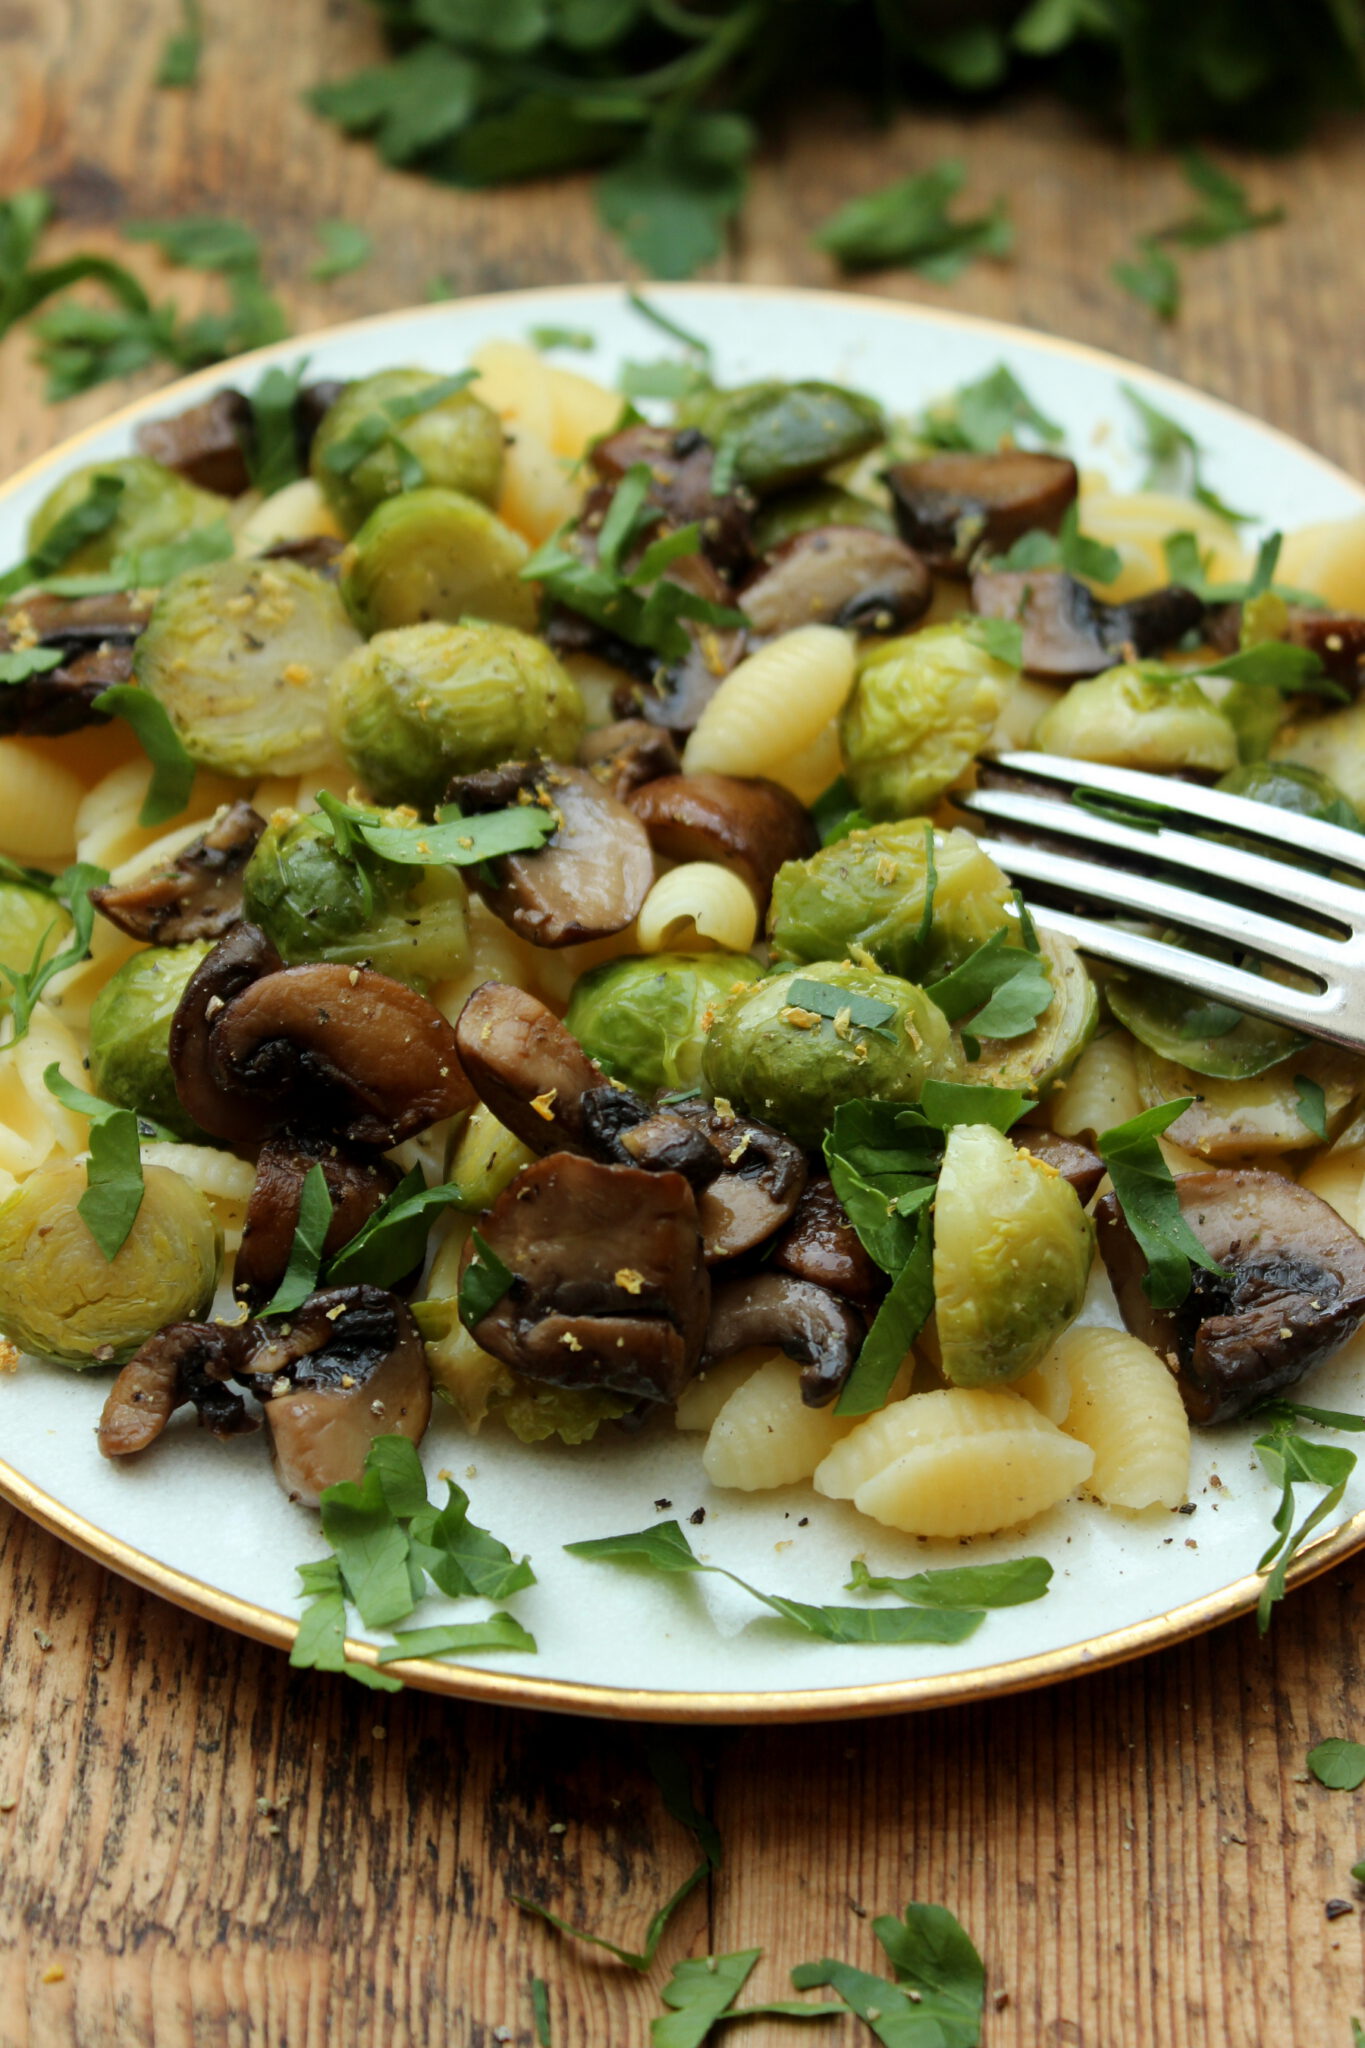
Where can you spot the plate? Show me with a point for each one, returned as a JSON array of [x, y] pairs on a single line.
[[205, 1525]]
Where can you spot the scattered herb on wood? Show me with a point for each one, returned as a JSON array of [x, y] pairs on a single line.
[[1338, 1764], [183, 48], [910, 222], [940, 1988], [702, 1991], [346, 246]]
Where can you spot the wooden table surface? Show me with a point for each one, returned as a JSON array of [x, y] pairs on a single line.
[[198, 1845]]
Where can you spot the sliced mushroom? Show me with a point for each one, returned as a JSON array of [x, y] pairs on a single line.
[[762, 1182], [625, 756], [821, 1245], [1337, 638], [242, 956], [357, 1183], [751, 824], [207, 443], [1067, 1156], [590, 877], [345, 1368], [1069, 632], [321, 552], [681, 466], [621, 1129], [953, 506], [96, 637], [182, 1362], [1294, 1290], [809, 1323], [846, 576], [198, 895], [609, 1288]]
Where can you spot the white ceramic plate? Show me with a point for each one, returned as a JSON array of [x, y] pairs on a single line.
[[205, 1524]]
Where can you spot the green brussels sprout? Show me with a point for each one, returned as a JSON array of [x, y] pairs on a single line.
[[810, 505], [1012, 1252], [436, 555], [61, 1299], [864, 894], [456, 442], [487, 1157], [315, 903], [1205, 1036], [1045, 1055], [421, 704], [130, 1026], [240, 654], [769, 1055], [645, 1020], [156, 507], [784, 434], [1132, 719], [477, 1385], [573, 1414], [921, 709], [1304, 791], [33, 926]]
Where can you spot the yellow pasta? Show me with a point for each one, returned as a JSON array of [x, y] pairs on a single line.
[[1126, 1407], [1137, 522], [1048, 1386], [1027, 702], [40, 804], [1330, 559], [107, 828], [702, 1399], [298, 512], [1338, 1177], [812, 769], [766, 1436], [537, 495], [34, 1127], [696, 906], [774, 705], [222, 1178], [562, 408], [1100, 1091], [958, 1463]]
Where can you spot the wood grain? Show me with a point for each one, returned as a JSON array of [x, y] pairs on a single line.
[[202, 1849]]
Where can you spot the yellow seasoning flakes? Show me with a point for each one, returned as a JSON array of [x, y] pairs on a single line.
[[54, 1974], [9, 1356], [299, 674], [628, 1279], [544, 1105], [799, 1019], [843, 1022], [570, 1342], [887, 869]]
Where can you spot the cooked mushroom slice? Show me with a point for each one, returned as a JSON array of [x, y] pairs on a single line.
[[680, 469], [625, 756], [807, 1322], [95, 635], [199, 895], [207, 443], [184, 1362], [609, 1288], [1069, 632], [1072, 1160], [953, 506], [357, 1183], [620, 1128], [1337, 638], [592, 874], [242, 956], [1293, 1291], [821, 1245], [762, 1182], [345, 1368], [752, 824], [321, 552], [837, 576]]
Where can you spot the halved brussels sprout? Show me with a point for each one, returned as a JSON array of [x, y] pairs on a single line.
[[457, 444], [487, 1157], [314, 903], [130, 1025], [770, 1055], [156, 507], [1045, 1055], [62, 1299], [645, 1020], [33, 926], [422, 704], [1131, 719], [811, 505], [865, 894], [1012, 1251], [240, 654], [1252, 1118], [1289, 787], [921, 709], [435, 554], [784, 434]]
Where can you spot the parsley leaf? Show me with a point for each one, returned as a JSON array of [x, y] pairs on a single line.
[[1151, 277], [173, 771], [656, 316], [274, 446], [1068, 549], [485, 1282], [461, 1557], [1006, 986], [394, 1238], [670, 197], [1150, 1201], [1011, 1584], [902, 1315], [1291, 1459], [1338, 1764], [93, 515], [199, 241], [345, 247], [320, 1644], [702, 1991], [182, 49], [910, 222], [21, 663], [1175, 459], [371, 1547], [305, 1253], [72, 890], [458, 1638], [940, 1987], [824, 1000], [540, 2009], [1312, 1105], [1002, 639], [547, 338], [421, 99], [1222, 211], [456, 841], [982, 416], [835, 813], [114, 1185]]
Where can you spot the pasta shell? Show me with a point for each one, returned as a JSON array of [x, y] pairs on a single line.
[[1126, 1406], [774, 704], [766, 1436]]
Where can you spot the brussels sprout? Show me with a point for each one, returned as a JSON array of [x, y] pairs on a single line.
[[487, 1157], [130, 1024], [645, 1020], [921, 709], [865, 894], [62, 1299], [1043, 1056], [772, 1057], [436, 555], [457, 443], [314, 903], [1205, 1036], [424, 703], [1289, 787], [1131, 719], [240, 654], [1012, 1251], [33, 926], [783, 434], [156, 507], [809, 505], [573, 1414]]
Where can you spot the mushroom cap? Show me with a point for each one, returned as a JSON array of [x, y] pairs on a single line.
[[821, 1245], [588, 879], [746, 822], [198, 895], [849, 576], [1070, 633], [952, 505], [182, 1362], [809, 1323], [357, 1183]]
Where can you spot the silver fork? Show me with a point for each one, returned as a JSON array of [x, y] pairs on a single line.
[[1332, 956]]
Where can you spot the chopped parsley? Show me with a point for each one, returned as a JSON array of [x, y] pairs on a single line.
[[114, 1184], [1150, 1200], [910, 221]]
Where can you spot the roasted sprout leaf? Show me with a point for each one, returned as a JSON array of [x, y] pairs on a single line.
[[1150, 1201], [1012, 1583], [1338, 1764], [173, 771], [305, 1253]]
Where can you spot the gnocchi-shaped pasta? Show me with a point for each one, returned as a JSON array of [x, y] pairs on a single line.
[[33, 1124], [1339, 1178], [1330, 559], [702, 1399], [766, 1436], [774, 705], [695, 907], [962, 1462], [1137, 522], [1126, 1407], [40, 804], [222, 1179], [107, 828], [298, 512], [1027, 702], [1100, 1091], [1048, 1386]]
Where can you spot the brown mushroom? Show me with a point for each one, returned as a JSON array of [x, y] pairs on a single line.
[[953, 506], [592, 874], [821, 1245], [681, 466], [621, 1129], [198, 895], [96, 637], [207, 443], [321, 552], [757, 1192], [748, 823], [625, 756], [357, 1183], [1291, 1293], [1069, 632], [824, 1333], [182, 1362], [608, 1289], [1337, 638], [242, 956], [1067, 1156], [333, 1375], [847, 576]]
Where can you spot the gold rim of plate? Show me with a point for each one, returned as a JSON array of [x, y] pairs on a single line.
[[470, 1682]]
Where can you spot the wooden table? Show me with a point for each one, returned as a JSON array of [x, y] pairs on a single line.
[[198, 1845]]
